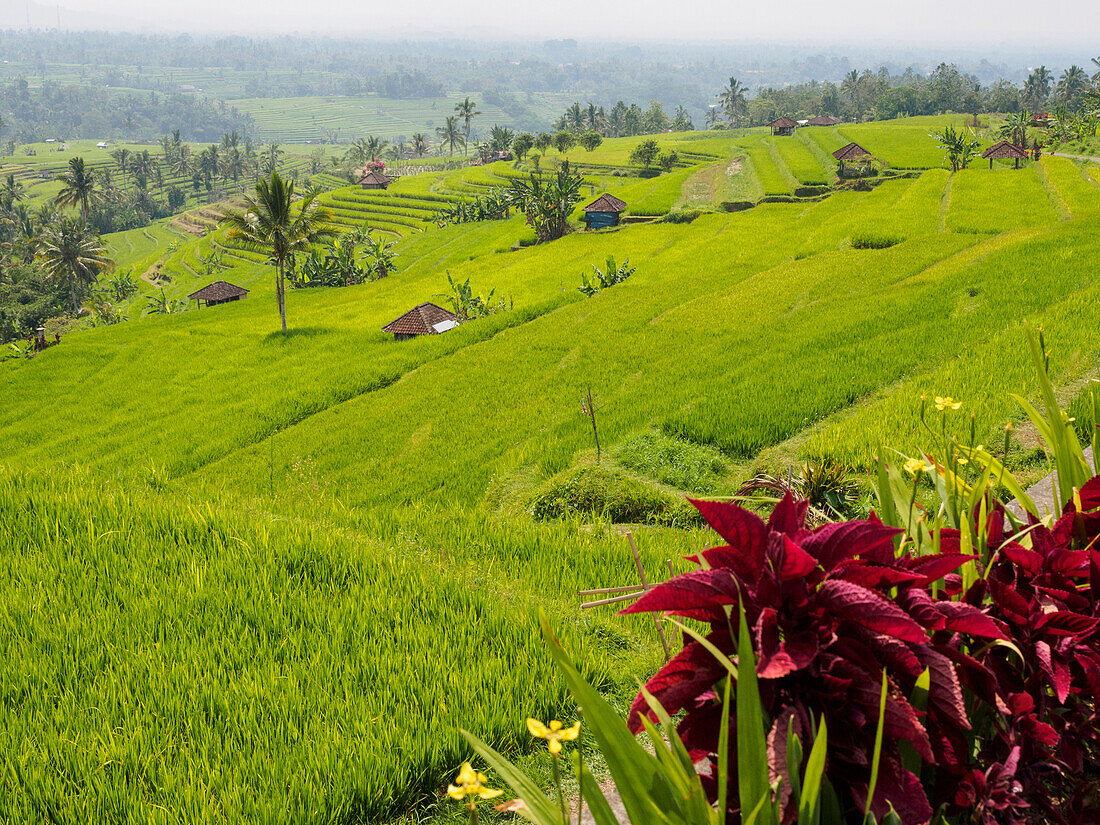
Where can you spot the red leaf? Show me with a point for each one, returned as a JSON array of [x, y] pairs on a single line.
[[796, 561], [688, 674], [789, 516], [945, 695], [935, 567], [1055, 670], [864, 607], [699, 588], [834, 543], [740, 528], [1065, 623], [965, 618]]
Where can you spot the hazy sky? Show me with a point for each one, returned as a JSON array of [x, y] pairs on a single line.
[[985, 24]]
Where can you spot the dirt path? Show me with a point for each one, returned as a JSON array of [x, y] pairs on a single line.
[[1075, 157]]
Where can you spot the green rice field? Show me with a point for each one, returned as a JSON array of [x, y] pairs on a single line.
[[264, 577]]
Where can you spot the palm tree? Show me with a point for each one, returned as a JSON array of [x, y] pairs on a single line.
[[72, 254], [270, 225], [11, 191], [374, 146], [467, 110], [420, 144], [77, 187], [181, 161], [733, 100], [378, 255], [167, 147], [450, 134], [1072, 86], [574, 117], [712, 117], [272, 155], [1037, 89], [122, 159]]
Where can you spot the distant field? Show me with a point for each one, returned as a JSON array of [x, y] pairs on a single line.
[[300, 119]]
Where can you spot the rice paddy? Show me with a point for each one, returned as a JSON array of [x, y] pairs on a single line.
[[266, 577]]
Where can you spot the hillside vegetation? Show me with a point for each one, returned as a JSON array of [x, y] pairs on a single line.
[[303, 561]]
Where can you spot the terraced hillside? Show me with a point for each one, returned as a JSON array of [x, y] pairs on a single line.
[[319, 552]]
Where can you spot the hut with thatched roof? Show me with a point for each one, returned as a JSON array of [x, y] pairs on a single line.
[[375, 180], [1005, 151], [852, 160], [424, 319], [783, 127], [219, 292], [603, 212], [823, 120]]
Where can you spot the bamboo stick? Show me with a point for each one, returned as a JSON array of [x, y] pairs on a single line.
[[645, 584], [613, 599], [607, 590]]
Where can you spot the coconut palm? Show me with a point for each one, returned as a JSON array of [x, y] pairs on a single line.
[[72, 255], [1037, 89], [269, 224], [374, 146], [122, 159], [734, 101], [181, 161], [420, 144], [467, 110], [11, 191], [1072, 86], [450, 134], [78, 187], [574, 118], [712, 117], [272, 155]]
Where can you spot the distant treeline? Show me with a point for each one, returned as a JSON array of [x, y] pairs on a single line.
[[883, 95], [79, 110]]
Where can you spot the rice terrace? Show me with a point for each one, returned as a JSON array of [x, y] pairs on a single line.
[[375, 414]]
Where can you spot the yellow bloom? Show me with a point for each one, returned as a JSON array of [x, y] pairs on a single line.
[[470, 783], [914, 466], [555, 734], [947, 403]]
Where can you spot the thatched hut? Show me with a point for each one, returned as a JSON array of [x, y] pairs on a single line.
[[853, 160], [824, 120], [375, 180], [425, 319], [603, 212], [783, 127], [1005, 151], [219, 292]]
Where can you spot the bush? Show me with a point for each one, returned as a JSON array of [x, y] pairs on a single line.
[[600, 492], [869, 240], [694, 468], [682, 216]]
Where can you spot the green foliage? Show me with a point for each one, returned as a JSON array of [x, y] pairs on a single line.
[[959, 148], [547, 202], [645, 153], [601, 493], [468, 305], [613, 275], [694, 468]]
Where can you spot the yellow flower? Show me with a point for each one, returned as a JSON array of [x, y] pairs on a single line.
[[470, 783], [555, 734], [947, 403], [914, 466]]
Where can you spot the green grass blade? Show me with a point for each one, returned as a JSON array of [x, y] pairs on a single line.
[[752, 747], [876, 759], [809, 806]]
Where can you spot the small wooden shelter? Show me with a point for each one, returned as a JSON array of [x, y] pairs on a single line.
[[219, 292], [852, 158], [783, 127], [603, 212], [823, 120], [375, 180], [425, 319], [1005, 151]]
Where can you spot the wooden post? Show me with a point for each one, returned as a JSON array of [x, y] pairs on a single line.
[[645, 584]]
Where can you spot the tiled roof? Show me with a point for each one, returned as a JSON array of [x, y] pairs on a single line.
[[421, 320], [1003, 150], [853, 151], [606, 203], [218, 291]]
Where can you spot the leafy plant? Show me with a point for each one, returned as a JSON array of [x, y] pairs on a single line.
[[547, 202], [465, 303], [614, 274], [959, 148]]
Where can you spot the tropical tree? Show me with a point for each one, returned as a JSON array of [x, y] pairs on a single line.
[[523, 144], [1015, 127], [181, 161], [450, 134], [73, 256], [734, 100], [374, 146], [712, 116], [574, 117], [543, 141], [122, 159], [959, 148], [269, 224], [272, 156], [420, 144], [501, 139], [78, 188], [547, 203], [11, 191], [467, 111], [1037, 89], [645, 153], [378, 255], [564, 141], [681, 121], [1072, 86], [589, 140]]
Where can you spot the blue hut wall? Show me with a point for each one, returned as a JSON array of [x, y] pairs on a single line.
[[601, 220]]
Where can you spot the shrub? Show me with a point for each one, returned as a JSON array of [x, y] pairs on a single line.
[[682, 216], [871, 240], [695, 468], [599, 492]]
